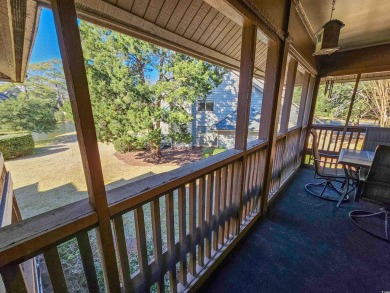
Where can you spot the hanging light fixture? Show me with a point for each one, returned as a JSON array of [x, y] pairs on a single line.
[[327, 37]]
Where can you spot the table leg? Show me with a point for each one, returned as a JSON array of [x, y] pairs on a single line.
[[346, 187]]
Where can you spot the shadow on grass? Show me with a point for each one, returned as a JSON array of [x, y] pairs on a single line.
[[48, 150], [32, 201]]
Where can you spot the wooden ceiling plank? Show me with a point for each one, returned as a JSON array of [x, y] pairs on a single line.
[[166, 12], [125, 22], [204, 25], [153, 9], [139, 7], [125, 4], [236, 37], [237, 53], [197, 20], [225, 21], [222, 34], [235, 47], [216, 21], [177, 15], [188, 16], [228, 37]]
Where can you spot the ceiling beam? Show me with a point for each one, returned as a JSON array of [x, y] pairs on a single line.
[[365, 60]]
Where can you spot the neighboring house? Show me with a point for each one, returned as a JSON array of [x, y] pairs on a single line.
[[220, 105]]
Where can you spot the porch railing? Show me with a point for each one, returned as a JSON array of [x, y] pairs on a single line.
[[169, 229], [330, 140]]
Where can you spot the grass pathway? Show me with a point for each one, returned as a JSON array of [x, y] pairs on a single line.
[[53, 176]]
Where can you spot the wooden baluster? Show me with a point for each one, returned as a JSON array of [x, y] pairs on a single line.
[[122, 253], [142, 248], [222, 205], [246, 188], [250, 188], [357, 140], [192, 227], [87, 259], [201, 223], [157, 241], [13, 278], [54, 267], [349, 140], [216, 207], [209, 211], [229, 193], [232, 202], [254, 179], [182, 235], [171, 240], [237, 202], [337, 149]]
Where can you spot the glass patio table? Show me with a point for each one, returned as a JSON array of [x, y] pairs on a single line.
[[353, 158]]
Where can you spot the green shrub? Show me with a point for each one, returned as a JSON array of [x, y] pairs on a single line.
[[128, 144], [13, 145], [207, 152]]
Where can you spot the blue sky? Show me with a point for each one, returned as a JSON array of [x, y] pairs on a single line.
[[46, 44]]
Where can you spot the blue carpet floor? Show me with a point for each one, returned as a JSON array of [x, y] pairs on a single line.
[[305, 244]]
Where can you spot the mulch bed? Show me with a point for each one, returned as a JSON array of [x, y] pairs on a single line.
[[170, 157]]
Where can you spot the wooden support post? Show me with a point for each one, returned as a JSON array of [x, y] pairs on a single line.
[[304, 98], [276, 60], [315, 83], [350, 109], [72, 57], [288, 95], [248, 52], [248, 56], [272, 95], [309, 101]]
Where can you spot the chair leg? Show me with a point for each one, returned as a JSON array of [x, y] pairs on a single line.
[[365, 214], [327, 184]]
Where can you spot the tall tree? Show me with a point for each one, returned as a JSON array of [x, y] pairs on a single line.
[[375, 98], [137, 87], [32, 105]]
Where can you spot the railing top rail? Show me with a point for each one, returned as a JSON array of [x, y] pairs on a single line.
[[29, 237], [132, 195], [339, 127], [256, 145]]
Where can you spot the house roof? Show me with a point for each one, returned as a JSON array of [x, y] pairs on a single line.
[[18, 23], [229, 122]]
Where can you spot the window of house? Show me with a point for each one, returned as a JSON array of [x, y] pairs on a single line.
[[205, 105], [202, 130]]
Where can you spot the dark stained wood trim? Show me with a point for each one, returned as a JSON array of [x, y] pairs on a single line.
[[72, 56], [365, 60], [248, 52], [288, 95]]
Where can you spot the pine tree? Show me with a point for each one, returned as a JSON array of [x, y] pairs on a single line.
[[136, 86]]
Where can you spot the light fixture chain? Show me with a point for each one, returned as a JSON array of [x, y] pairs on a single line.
[[331, 14]]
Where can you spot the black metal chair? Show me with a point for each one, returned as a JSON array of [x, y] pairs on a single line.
[[376, 136], [325, 168], [374, 187]]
